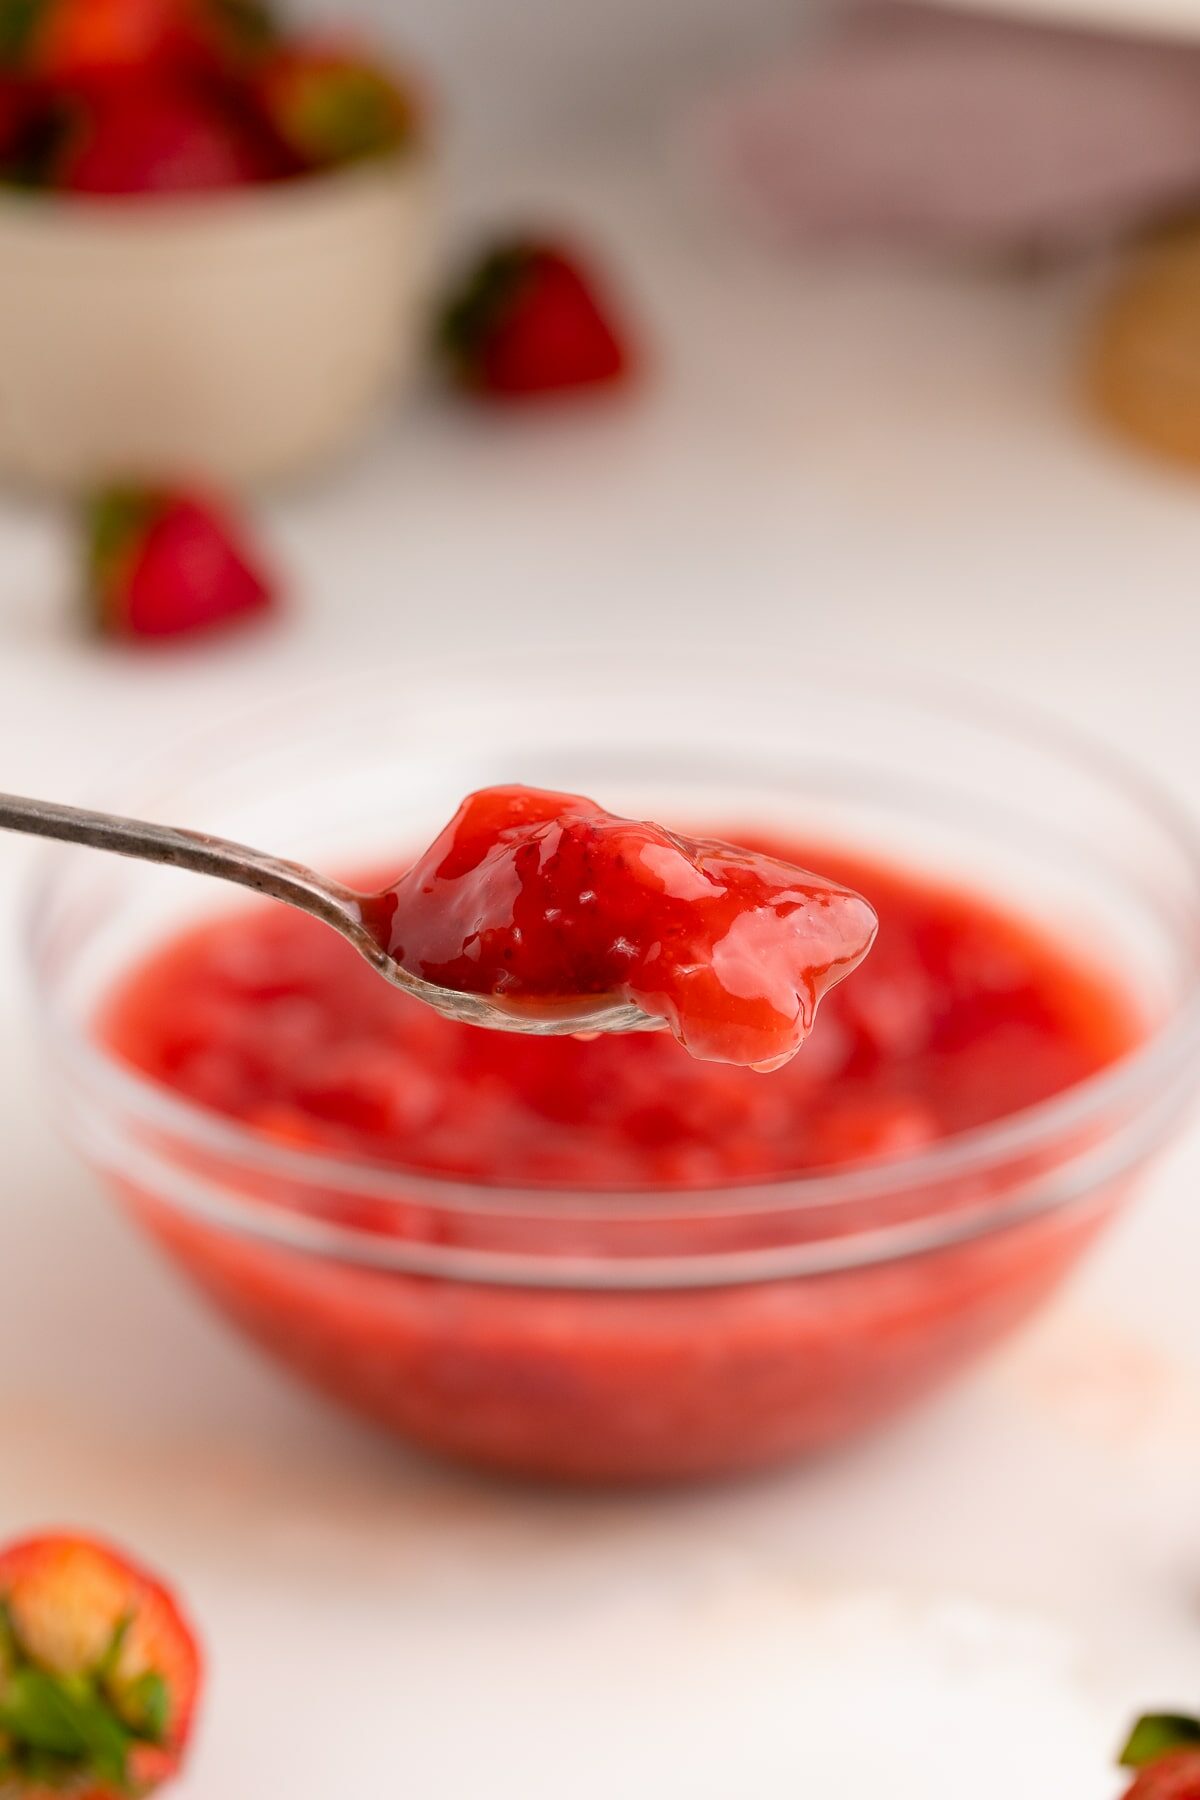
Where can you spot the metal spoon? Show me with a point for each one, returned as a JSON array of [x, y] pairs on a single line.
[[340, 907]]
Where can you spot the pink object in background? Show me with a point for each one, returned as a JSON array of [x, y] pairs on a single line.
[[915, 124]]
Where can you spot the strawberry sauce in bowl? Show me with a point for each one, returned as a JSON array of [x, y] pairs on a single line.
[[608, 1260]]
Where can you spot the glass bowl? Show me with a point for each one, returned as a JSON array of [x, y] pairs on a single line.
[[595, 1335]]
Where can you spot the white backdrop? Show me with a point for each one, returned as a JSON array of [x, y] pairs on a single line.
[[516, 73]]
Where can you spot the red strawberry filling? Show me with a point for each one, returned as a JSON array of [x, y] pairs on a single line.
[[544, 900], [960, 1014]]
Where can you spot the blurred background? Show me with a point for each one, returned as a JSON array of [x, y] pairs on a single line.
[[906, 312]]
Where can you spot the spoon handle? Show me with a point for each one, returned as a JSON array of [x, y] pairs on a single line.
[[203, 855]]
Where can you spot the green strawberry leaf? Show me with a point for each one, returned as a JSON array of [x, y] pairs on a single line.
[[64, 1718], [483, 301], [146, 1707], [349, 115], [19, 20], [116, 519], [53, 1727], [106, 1668], [11, 1654], [115, 524], [143, 1705], [37, 1712], [1157, 1735]]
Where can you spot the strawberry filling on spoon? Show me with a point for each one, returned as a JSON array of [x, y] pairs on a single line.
[[540, 900]]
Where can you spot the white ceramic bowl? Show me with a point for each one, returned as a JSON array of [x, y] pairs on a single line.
[[235, 338]]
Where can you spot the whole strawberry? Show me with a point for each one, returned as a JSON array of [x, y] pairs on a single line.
[[80, 44], [163, 564], [65, 43], [100, 1674], [165, 136], [531, 319], [1165, 1749], [329, 104]]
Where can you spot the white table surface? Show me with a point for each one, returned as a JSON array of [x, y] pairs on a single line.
[[845, 457]]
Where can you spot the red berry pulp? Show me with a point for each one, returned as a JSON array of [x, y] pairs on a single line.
[[961, 1015], [544, 901]]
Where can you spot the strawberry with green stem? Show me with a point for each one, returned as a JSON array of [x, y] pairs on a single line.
[[531, 319], [99, 1674], [1165, 1750], [123, 97], [81, 43], [329, 104], [163, 563], [168, 136]]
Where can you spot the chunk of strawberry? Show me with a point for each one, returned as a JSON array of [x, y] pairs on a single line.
[[531, 319], [330, 104], [99, 1673], [164, 564]]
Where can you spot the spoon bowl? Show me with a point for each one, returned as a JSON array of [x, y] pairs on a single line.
[[589, 1017]]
